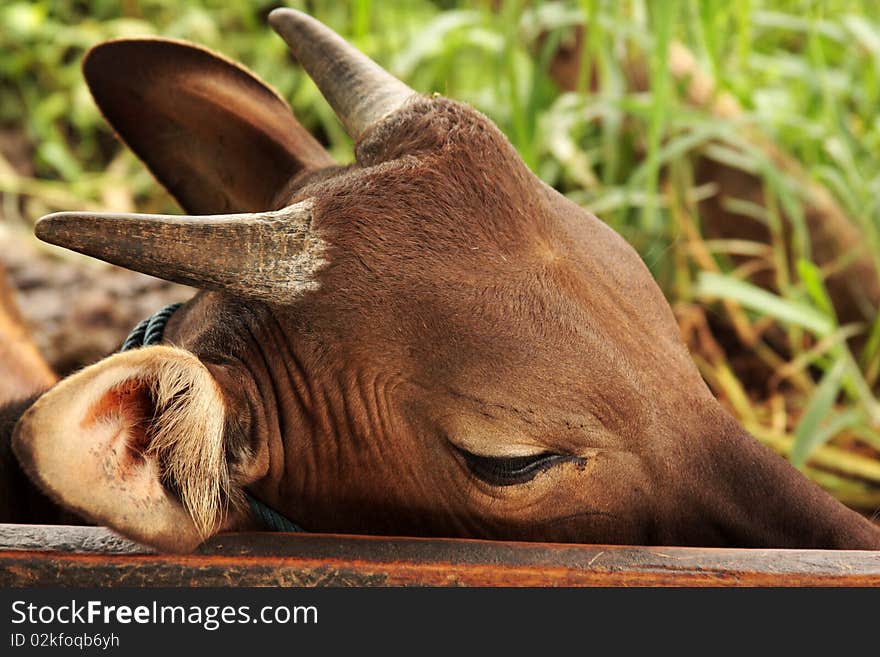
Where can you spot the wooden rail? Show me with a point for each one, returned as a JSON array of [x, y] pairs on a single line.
[[95, 557]]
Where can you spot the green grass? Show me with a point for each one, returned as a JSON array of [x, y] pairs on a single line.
[[806, 73]]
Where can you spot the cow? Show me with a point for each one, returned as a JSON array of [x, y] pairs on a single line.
[[430, 341]]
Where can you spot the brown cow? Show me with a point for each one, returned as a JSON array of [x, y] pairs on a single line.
[[430, 341]]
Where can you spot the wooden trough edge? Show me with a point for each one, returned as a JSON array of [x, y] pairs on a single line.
[[35, 555]]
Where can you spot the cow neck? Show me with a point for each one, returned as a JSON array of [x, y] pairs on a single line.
[[151, 331]]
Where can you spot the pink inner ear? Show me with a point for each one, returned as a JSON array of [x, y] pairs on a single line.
[[89, 443], [129, 406]]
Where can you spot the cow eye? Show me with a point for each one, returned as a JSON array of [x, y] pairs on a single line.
[[509, 470]]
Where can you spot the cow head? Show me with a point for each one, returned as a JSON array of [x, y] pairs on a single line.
[[430, 341]]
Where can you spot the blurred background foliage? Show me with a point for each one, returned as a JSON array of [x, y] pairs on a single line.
[[707, 132]]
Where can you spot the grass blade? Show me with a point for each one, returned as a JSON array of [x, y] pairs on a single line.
[[810, 433], [711, 285]]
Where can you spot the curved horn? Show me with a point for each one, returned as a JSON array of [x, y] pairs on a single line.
[[272, 256], [360, 91]]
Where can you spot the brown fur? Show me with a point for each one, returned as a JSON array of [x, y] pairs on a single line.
[[186, 96], [462, 307], [465, 307]]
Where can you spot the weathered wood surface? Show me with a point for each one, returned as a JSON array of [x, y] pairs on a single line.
[[95, 557]]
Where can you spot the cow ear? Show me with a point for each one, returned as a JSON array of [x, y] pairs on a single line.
[[217, 137], [134, 442]]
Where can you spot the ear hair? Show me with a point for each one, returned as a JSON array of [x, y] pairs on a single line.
[[186, 436], [136, 442]]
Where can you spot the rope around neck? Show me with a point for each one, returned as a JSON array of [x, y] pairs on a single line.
[[149, 332]]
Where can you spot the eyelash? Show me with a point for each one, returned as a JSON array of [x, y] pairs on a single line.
[[510, 471]]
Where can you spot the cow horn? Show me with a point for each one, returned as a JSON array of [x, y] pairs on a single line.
[[360, 91], [271, 256]]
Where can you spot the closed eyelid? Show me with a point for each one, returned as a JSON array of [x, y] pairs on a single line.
[[507, 471]]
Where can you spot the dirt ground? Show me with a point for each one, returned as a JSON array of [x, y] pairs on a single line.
[[78, 310]]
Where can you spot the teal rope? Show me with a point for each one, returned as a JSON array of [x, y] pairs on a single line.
[[149, 332], [269, 517]]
